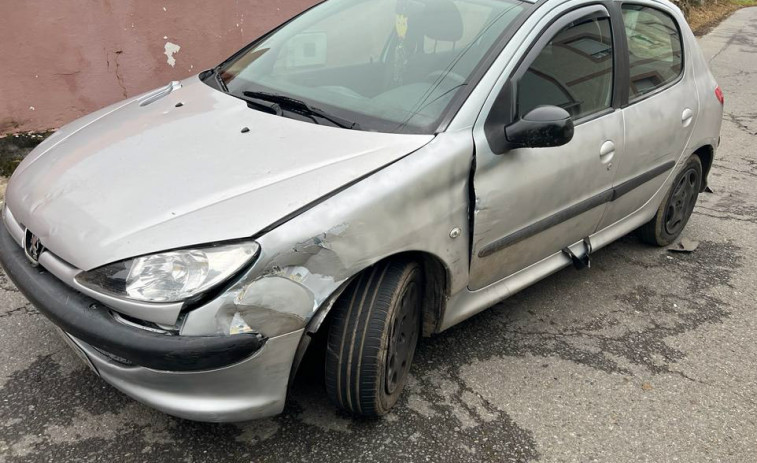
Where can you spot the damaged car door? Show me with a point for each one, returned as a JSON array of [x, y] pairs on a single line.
[[571, 67]]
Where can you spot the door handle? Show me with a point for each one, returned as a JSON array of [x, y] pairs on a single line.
[[606, 153], [687, 117]]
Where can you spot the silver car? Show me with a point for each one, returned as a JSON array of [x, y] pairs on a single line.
[[368, 173]]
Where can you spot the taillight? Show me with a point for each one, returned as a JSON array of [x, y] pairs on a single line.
[[719, 95]]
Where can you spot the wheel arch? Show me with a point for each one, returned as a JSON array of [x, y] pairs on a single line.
[[706, 154], [437, 278], [435, 296]]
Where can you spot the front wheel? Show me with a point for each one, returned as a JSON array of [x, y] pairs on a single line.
[[675, 210], [372, 338]]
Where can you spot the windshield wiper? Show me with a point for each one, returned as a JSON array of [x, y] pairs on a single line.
[[300, 107], [219, 79]]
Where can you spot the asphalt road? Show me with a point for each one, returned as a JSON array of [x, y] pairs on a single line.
[[648, 356]]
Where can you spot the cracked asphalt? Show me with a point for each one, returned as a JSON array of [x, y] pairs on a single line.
[[649, 356]]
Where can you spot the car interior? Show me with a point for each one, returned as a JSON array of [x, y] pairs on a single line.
[[407, 63]]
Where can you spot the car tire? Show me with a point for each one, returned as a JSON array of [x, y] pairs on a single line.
[[372, 338], [674, 212]]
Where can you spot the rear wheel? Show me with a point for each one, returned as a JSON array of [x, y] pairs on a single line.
[[676, 208], [372, 338]]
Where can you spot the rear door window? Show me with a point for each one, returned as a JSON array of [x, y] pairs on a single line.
[[654, 46]]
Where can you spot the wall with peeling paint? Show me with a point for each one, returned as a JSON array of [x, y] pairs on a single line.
[[66, 58]]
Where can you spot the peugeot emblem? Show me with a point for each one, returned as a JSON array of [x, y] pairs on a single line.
[[33, 247]]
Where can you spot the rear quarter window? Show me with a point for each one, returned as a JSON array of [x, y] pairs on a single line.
[[654, 46]]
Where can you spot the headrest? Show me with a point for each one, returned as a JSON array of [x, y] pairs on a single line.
[[442, 21]]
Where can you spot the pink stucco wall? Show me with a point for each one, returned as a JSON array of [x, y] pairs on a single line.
[[62, 59]]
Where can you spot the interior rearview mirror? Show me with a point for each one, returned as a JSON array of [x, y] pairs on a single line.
[[542, 127]]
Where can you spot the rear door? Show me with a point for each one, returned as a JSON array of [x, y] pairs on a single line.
[[533, 202], [661, 110]]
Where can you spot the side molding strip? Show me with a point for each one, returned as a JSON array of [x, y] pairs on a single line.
[[630, 185], [575, 210], [549, 222]]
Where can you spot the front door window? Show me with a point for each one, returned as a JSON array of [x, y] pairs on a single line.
[[573, 71]]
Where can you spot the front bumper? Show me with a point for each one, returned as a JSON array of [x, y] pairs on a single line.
[[252, 389], [93, 323], [204, 378]]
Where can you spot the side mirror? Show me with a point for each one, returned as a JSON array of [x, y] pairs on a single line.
[[542, 127]]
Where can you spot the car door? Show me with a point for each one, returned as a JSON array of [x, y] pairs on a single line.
[[532, 202], [661, 111]]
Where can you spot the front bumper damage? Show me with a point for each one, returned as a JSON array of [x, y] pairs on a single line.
[[251, 389], [204, 378]]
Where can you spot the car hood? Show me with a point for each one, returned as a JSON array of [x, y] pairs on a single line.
[[134, 179]]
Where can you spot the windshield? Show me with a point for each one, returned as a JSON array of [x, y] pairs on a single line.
[[386, 65]]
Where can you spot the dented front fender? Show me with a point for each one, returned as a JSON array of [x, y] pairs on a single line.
[[412, 205]]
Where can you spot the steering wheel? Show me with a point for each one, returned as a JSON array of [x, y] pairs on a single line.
[[438, 75]]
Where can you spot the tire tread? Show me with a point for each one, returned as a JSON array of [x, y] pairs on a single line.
[[358, 335]]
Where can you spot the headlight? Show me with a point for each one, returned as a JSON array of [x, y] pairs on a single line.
[[173, 276]]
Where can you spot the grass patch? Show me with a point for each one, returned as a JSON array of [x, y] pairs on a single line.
[[14, 147], [703, 18]]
